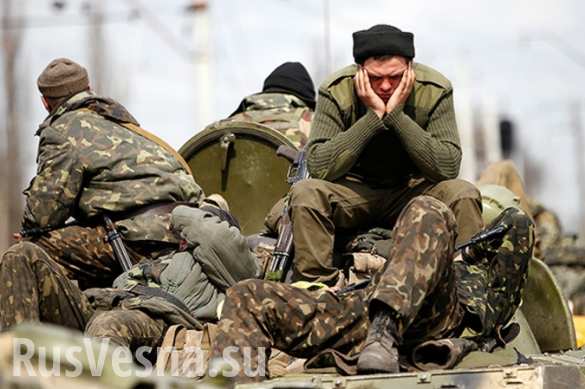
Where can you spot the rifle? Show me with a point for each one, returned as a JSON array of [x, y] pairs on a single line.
[[114, 238], [283, 251], [482, 236], [38, 231]]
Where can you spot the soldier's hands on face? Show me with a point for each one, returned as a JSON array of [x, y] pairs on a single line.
[[366, 93], [403, 90]]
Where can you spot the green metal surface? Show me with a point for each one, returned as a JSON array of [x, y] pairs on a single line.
[[539, 376], [525, 343], [238, 160], [546, 310]]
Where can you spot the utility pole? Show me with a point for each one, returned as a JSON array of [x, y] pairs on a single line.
[[95, 43], [202, 68], [327, 34], [12, 172]]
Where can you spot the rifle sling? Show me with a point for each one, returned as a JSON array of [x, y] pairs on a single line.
[[158, 292], [153, 138]]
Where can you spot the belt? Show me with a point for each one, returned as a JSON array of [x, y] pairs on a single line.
[[150, 210]]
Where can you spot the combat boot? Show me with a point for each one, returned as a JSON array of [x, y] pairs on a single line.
[[380, 354]]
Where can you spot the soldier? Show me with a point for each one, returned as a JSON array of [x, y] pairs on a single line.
[[186, 287], [421, 294], [286, 103], [384, 132], [94, 160]]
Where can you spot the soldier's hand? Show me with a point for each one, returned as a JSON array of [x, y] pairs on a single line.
[[366, 93], [403, 90]]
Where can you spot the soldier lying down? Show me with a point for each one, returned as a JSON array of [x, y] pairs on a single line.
[[422, 294]]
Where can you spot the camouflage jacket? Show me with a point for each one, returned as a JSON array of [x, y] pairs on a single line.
[[282, 112], [89, 164]]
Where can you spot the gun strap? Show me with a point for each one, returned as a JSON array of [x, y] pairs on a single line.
[[158, 292], [150, 136]]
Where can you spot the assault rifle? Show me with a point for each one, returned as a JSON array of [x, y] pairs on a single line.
[[492, 233], [113, 237], [35, 232], [283, 251]]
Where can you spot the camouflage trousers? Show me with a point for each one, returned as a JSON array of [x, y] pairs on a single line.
[[418, 286], [85, 255], [321, 210], [36, 288]]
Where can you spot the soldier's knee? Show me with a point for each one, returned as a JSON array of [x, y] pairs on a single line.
[[310, 193], [421, 206], [452, 191], [114, 325]]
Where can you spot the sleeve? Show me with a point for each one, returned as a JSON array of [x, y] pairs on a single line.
[[52, 193], [332, 149], [435, 151]]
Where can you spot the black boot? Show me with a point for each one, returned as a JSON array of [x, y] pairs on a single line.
[[380, 354]]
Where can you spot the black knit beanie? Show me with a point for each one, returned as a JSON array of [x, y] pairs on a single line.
[[292, 78], [382, 39]]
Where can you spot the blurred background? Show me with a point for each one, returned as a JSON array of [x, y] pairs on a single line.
[[518, 70]]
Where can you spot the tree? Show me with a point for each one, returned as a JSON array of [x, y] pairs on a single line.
[[11, 173]]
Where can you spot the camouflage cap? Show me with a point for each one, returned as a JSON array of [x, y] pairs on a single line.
[[62, 77]]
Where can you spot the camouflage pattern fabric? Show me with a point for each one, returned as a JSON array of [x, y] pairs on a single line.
[[490, 282], [282, 112], [129, 328], [418, 285], [84, 255], [35, 288], [89, 164], [301, 323]]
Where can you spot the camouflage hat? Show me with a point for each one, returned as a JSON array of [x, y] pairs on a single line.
[[62, 77]]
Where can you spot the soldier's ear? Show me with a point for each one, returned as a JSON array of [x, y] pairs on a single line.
[[45, 103]]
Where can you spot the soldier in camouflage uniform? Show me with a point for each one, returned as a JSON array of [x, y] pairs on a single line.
[[94, 160], [186, 287], [285, 104], [421, 294]]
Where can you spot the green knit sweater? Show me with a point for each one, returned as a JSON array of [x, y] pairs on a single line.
[[419, 139]]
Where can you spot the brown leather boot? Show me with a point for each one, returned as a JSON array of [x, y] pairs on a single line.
[[380, 354]]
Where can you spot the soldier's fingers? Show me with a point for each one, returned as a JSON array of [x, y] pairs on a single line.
[[412, 75], [367, 85], [363, 77], [411, 81], [407, 83], [400, 88], [358, 83]]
